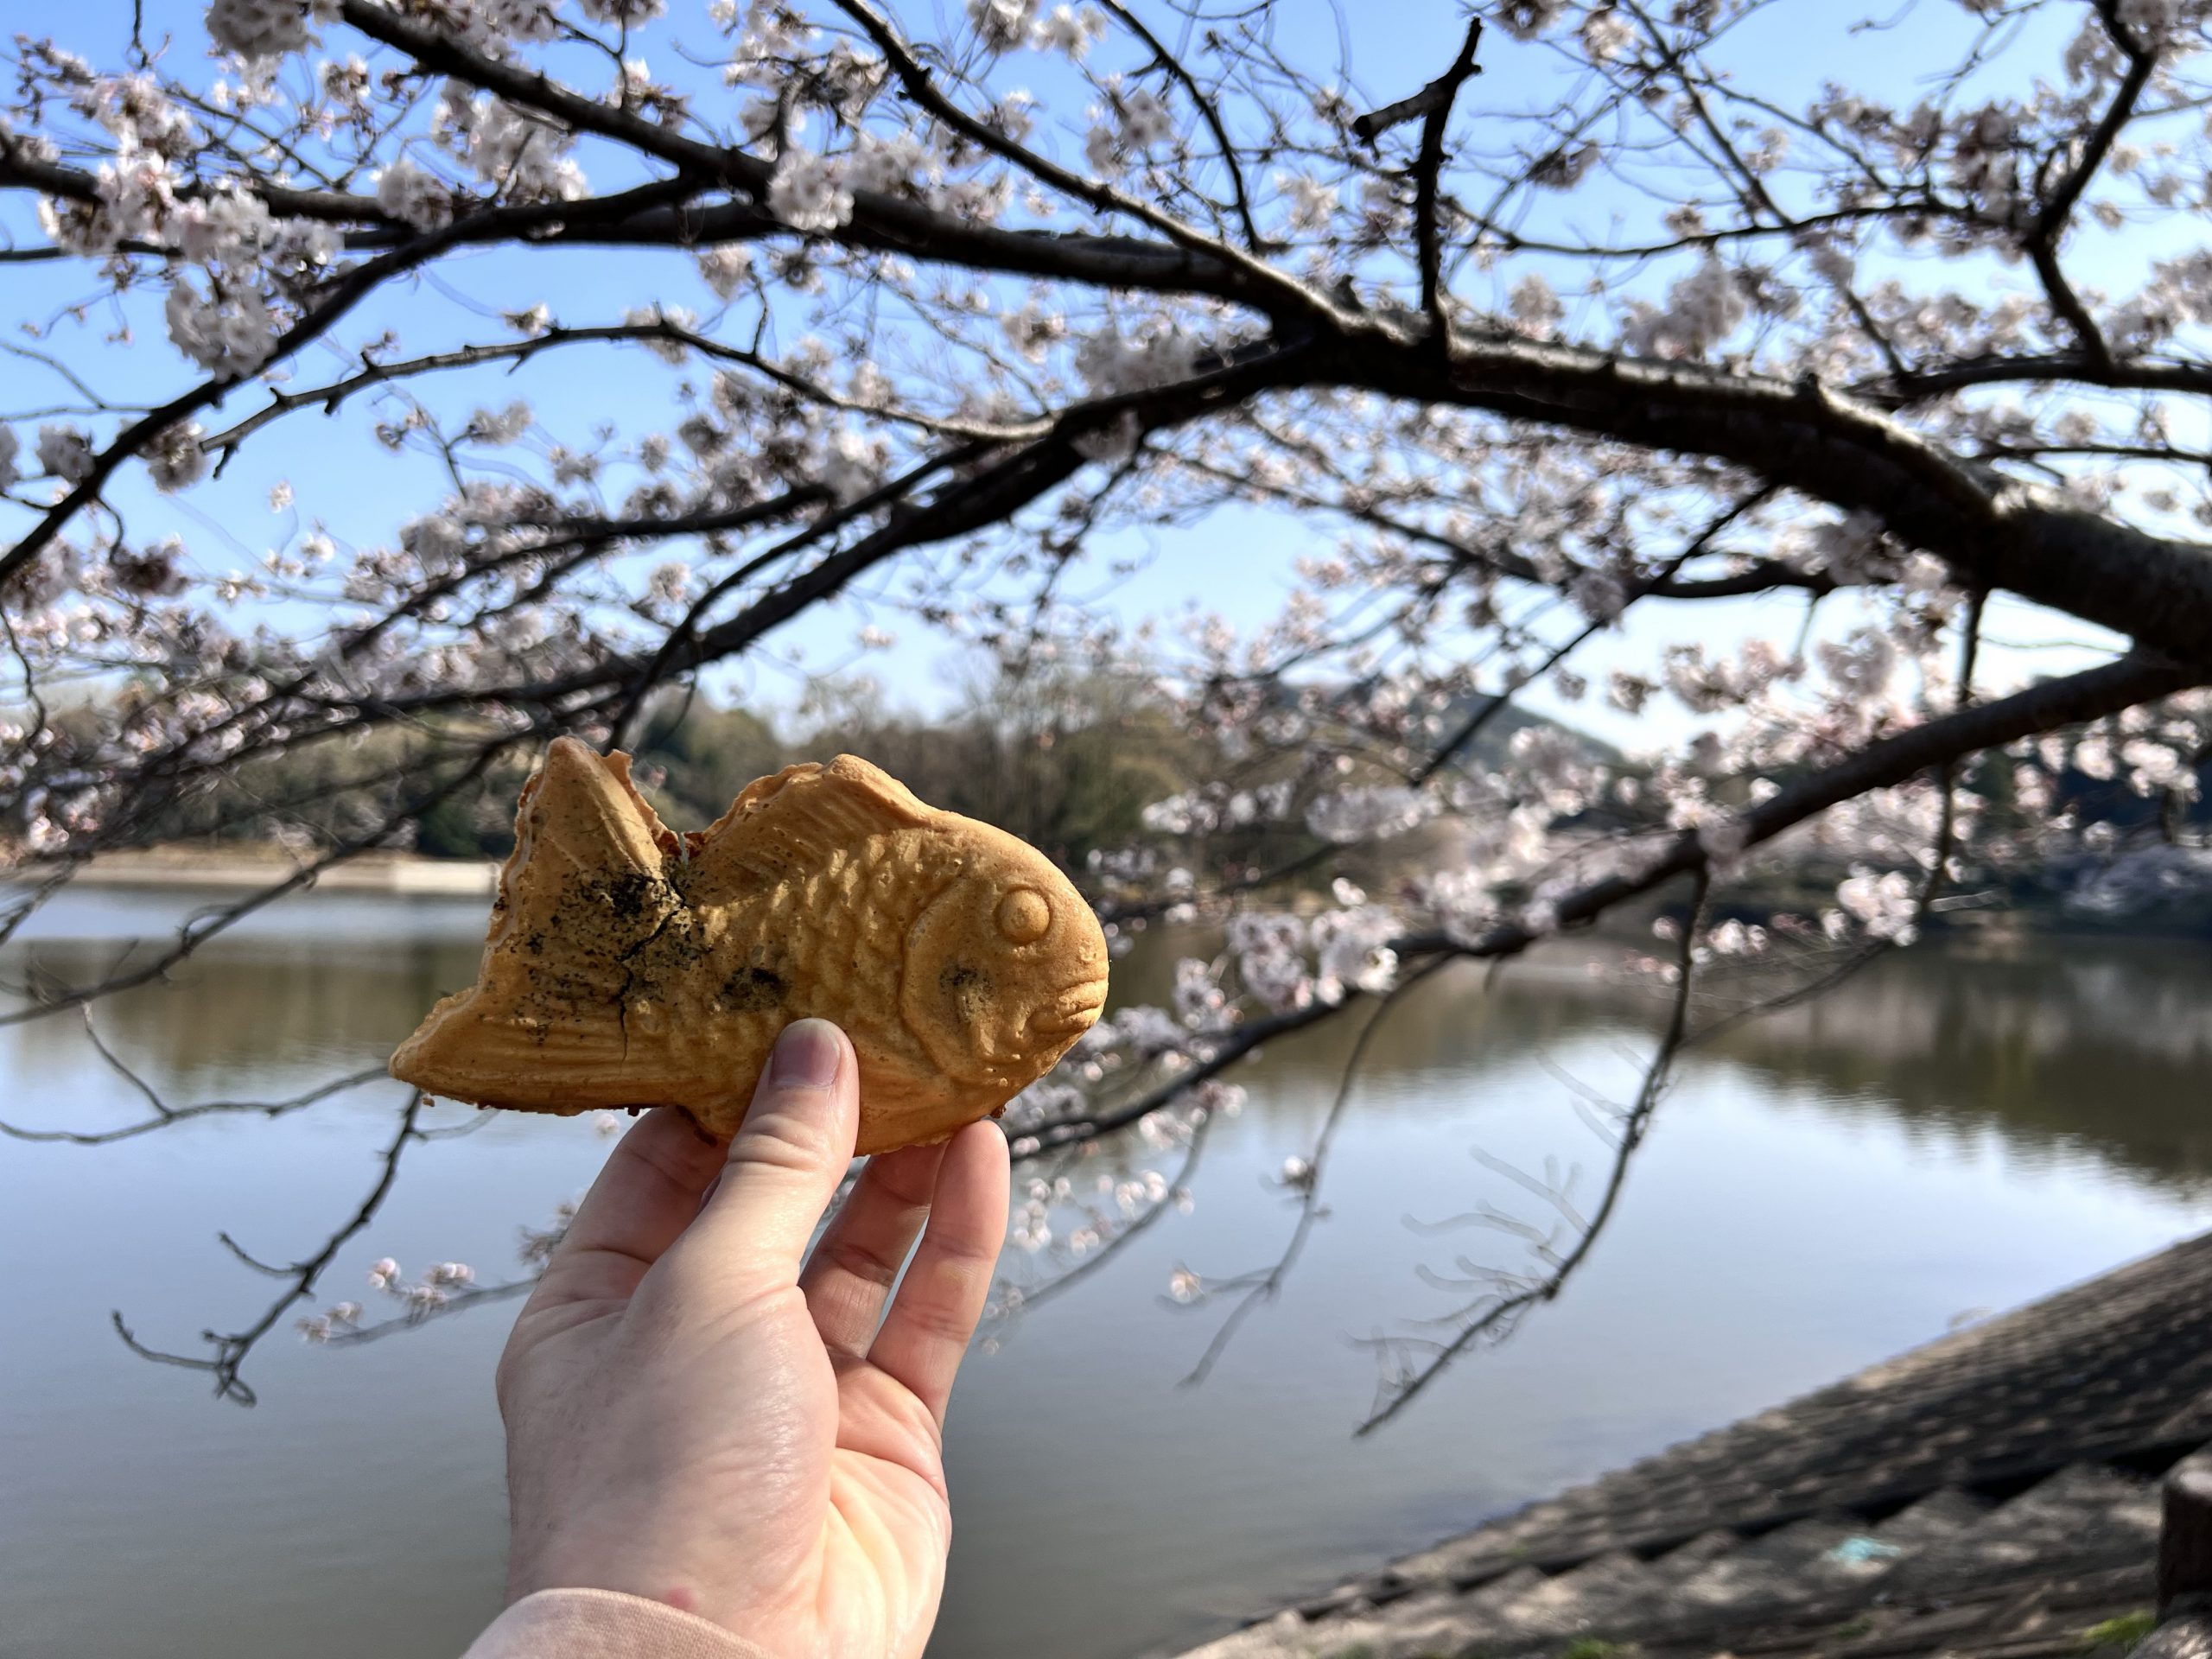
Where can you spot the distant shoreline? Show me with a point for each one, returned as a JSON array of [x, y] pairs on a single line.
[[249, 868]]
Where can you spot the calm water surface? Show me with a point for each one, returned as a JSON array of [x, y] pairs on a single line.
[[1952, 1132]]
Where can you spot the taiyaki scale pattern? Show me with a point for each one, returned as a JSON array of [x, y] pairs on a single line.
[[628, 965]]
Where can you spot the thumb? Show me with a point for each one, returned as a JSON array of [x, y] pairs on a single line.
[[788, 1157]]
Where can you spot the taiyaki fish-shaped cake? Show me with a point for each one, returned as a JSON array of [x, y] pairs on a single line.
[[628, 965]]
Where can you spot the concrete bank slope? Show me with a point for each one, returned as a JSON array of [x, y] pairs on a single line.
[[1992, 1493]]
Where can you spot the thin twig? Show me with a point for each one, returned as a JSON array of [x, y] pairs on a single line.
[[229, 1352]]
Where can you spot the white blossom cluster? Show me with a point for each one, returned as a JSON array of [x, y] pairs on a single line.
[[1007, 25], [1885, 905], [1289, 962], [418, 1298], [259, 29], [525, 153], [1702, 309], [1369, 814], [809, 192]]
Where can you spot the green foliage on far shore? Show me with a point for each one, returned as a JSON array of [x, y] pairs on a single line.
[[1067, 763]]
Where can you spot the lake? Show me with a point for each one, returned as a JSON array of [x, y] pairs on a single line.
[[1955, 1131]]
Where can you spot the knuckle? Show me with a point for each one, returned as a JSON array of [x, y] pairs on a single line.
[[781, 1140], [940, 1323], [947, 1306], [860, 1261], [969, 1255]]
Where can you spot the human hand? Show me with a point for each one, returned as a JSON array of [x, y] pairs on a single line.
[[693, 1419]]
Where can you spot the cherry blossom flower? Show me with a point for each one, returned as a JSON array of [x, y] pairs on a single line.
[[1702, 309], [66, 453], [413, 196], [1606, 34], [726, 269], [1145, 120], [1069, 30], [1001, 24], [231, 331], [178, 460], [1883, 905], [807, 192], [1313, 203], [262, 29]]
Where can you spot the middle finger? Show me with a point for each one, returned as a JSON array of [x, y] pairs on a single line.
[[849, 1277]]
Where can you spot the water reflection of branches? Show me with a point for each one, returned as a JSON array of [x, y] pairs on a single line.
[[1505, 1296], [229, 1352], [1302, 1176], [165, 1115]]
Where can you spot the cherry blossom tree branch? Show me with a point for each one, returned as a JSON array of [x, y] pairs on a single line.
[[1476, 721], [1262, 284], [1495, 1312], [1190, 260], [1998, 534], [2050, 224], [1208, 111], [2090, 695], [339, 298], [1433, 102], [1438, 97], [228, 1352]]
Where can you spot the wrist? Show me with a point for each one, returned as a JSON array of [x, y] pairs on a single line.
[[645, 1567], [573, 1623]]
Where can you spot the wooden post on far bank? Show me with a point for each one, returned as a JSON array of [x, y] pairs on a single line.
[[2185, 1539], [2184, 1629]]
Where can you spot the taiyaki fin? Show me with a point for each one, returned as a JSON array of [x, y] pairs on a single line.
[[584, 883], [790, 822], [581, 809]]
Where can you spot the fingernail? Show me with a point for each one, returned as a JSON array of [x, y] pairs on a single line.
[[805, 1056]]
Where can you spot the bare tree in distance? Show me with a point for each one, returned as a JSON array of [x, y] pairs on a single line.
[[1604, 339]]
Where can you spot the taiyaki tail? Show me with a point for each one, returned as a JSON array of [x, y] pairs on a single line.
[[544, 1026]]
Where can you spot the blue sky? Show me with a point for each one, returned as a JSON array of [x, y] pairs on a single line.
[[1238, 564]]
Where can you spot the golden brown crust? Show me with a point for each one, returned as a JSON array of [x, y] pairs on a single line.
[[626, 965]]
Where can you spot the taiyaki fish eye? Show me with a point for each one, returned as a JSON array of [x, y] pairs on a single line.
[[1024, 917]]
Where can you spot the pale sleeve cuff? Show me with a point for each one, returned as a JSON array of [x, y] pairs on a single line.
[[604, 1625]]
